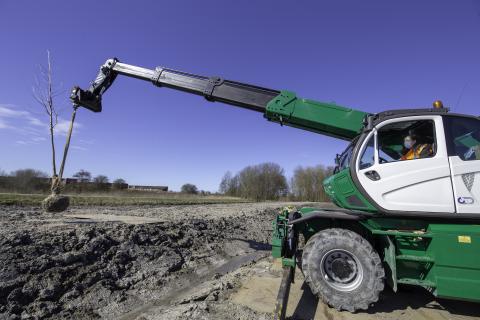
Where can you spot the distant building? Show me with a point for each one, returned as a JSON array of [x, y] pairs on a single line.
[[148, 188], [118, 186], [69, 180]]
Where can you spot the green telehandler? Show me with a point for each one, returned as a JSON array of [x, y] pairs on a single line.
[[407, 189]]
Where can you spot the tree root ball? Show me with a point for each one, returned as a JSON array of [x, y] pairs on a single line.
[[55, 203]]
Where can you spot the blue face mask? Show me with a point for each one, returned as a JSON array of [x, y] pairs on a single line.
[[408, 144]]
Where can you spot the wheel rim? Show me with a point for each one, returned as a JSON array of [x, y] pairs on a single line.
[[341, 270]]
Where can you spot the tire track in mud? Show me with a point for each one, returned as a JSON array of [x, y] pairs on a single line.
[[187, 291]]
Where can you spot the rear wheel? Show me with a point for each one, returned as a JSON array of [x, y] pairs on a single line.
[[343, 269]]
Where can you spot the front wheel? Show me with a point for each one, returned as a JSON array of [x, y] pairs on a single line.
[[343, 269]]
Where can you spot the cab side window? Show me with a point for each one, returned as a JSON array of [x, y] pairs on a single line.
[[344, 161], [406, 140], [463, 137], [368, 156]]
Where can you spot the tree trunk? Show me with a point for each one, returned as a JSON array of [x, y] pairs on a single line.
[[55, 187]]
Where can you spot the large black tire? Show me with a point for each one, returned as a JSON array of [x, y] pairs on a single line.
[[343, 269]]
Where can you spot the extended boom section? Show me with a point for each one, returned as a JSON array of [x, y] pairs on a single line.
[[324, 118], [212, 88], [278, 106]]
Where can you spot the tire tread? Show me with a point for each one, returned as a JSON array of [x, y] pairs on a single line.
[[341, 302]]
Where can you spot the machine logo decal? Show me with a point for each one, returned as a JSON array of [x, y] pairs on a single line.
[[465, 200]]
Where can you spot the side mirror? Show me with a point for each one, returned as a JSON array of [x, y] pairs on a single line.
[[337, 159], [337, 164]]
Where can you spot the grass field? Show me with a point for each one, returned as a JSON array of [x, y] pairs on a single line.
[[119, 199]]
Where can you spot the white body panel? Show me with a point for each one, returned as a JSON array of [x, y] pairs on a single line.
[[466, 184], [422, 185]]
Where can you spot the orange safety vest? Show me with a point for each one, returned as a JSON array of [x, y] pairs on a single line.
[[414, 153]]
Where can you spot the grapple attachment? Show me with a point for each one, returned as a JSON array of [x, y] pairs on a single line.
[[92, 97]]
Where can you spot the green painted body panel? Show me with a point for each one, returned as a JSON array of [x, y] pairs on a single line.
[[319, 117], [442, 257], [343, 192], [456, 250], [279, 234]]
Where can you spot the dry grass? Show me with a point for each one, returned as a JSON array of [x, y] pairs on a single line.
[[120, 199]]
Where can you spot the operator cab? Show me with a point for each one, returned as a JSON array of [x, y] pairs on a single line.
[[438, 174]]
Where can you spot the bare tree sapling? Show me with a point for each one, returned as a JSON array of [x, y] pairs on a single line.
[[44, 92]]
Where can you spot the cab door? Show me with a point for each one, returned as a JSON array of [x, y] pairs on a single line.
[[418, 185], [463, 141]]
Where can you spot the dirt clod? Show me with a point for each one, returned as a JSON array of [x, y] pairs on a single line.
[[56, 203]]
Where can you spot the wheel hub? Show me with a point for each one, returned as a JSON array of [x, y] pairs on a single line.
[[342, 270]]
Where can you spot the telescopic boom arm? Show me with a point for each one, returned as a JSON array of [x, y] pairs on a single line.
[[279, 106]]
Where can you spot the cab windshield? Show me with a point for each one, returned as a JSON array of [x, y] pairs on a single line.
[[463, 137]]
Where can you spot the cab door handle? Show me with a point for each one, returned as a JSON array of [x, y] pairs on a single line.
[[372, 175]]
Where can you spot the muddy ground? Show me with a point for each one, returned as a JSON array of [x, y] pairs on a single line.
[[164, 262]]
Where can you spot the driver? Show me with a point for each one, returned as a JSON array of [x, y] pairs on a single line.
[[413, 150]]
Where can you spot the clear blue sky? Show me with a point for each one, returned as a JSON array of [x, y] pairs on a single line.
[[370, 55]]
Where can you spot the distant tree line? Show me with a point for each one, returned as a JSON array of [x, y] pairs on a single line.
[[31, 180], [189, 188], [24, 180], [307, 183], [86, 182], [267, 181]]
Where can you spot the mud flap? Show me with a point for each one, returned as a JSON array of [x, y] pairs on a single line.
[[283, 293]]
